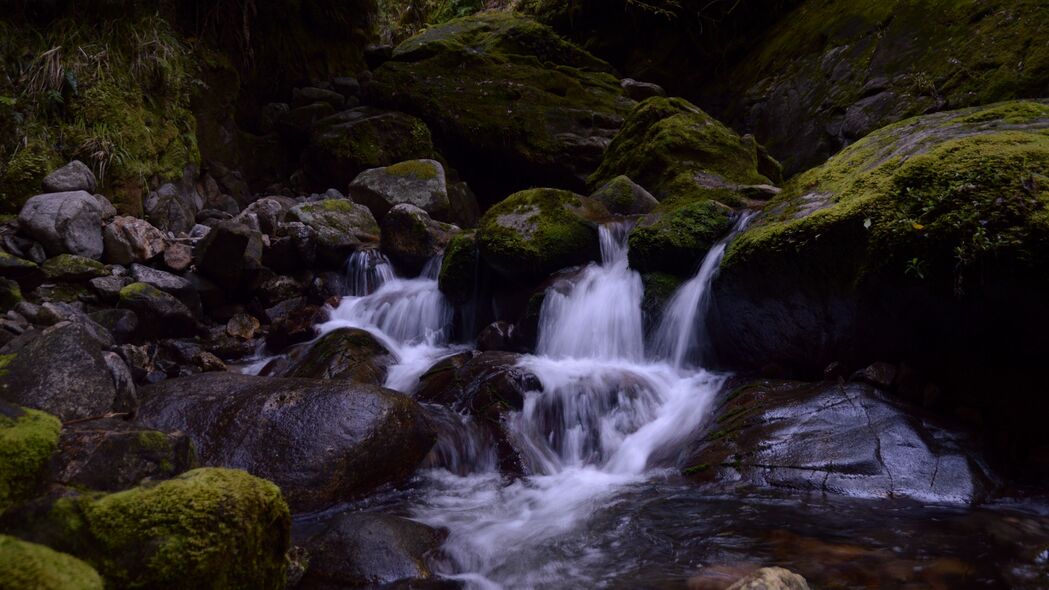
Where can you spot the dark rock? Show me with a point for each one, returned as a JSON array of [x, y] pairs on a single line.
[[465, 210], [625, 197], [375, 55], [160, 315], [497, 336], [641, 90], [230, 254], [61, 370], [126, 400], [19, 269], [172, 208], [847, 439], [113, 455], [242, 326], [362, 550], [291, 322], [357, 437], [74, 176], [181, 288], [347, 86], [64, 223], [346, 354], [121, 323], [301, 97], [269, 213], [410, 238], [108, 288], [879, 374]]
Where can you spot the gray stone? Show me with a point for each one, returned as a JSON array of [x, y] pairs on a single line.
[[129, 239], [169, 283], [341, 227], [74, 176], [417, 182], [64, 223]]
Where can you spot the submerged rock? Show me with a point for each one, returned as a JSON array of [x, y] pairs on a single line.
[[847, 439], [321, 441]]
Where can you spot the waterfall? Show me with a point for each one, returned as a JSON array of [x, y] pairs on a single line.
[[607, 418], [681, 332], [366, 271]]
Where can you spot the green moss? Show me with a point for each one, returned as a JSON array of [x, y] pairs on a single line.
[[533, 233], [678, 152], [28, 438], [69, 267], [659, 288], [140, 291], [416, 169], [153, 440], [10, 294], [933, 198], [675, 239], [459, 268], [28, 566], [25, 172], [207, 528]]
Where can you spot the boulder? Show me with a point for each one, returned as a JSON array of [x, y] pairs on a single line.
[[128, 239], [508, 95], [848, 439], [205, 528], [291, 322], [533, 233], [160, 315], [354, 550], [340, 226], [173, 208], [230, 254], [61, 370], [416, 182], [411, 238], [28, 566], [358, 436], [344, 145], [71, 268], [460, 268], [181, 288], [74, 176], [623, 196], [343, 354], [28, 439], [65, 223], [268, 213], [112, 455], [674, 239]]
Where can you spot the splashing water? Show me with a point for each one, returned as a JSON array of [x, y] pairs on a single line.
[[607, 420], [366, 271]]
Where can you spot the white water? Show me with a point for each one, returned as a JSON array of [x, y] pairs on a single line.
[[409, 316], [608, 418]]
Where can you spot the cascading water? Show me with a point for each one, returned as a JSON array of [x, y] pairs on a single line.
[[410, 316], [608, 419]]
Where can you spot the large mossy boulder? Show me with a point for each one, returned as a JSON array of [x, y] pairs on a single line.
[[509, 96], [421, 183], [536, 232], [321, 441], [28, 438], [829, 73], [28, 566], [836, 438], [207, 528], [925, 241]]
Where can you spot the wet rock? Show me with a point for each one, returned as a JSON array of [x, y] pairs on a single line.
[[344, 145], [880, 374], [29, 565], [346, 354], [113, 455], [417, 182], [64, 223], [497, 336], [359, 436], [771, 578], [847, 439], [230, 254], [410, 238], [625, 197], [291, 322], [74, 176], [30, 438], [160, 315], [362, 550], [341, 227], [460, 269], [127, 240], [61, 370], [533, 233], [242, 326]]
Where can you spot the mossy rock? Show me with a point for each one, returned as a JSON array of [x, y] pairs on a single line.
[[10, 294], [659, 288], [829, 73], [536, 232], [73, 268], [460, 268], [680, 153], [509, 96], [207, 528], [28, 566], [676, 239], [346, 353], [28, 438], [929, 235]]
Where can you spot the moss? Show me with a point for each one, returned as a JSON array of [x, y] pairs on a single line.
[[678, 152], [207, 528], [10, 294], [536, 232], [28, 438], [30, 566], [69, 267], [25, 172], [416, 169], [140, 291], [659, 288], [459, 268], [676, 239], [153, 440], [935, 198]]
